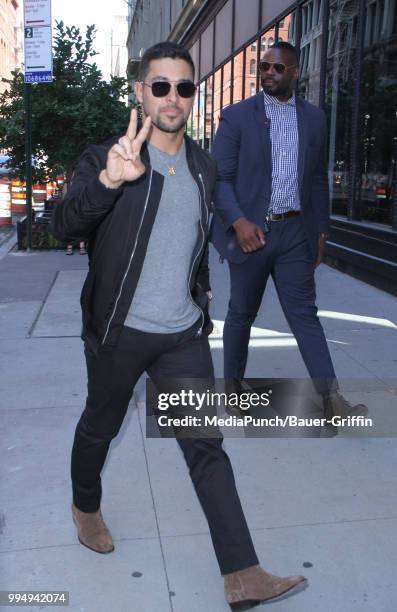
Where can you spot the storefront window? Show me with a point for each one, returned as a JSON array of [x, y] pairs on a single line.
[[227, 80], [189, 125], [267, 40], [286, 29], [238, 61], [310, 58], [208, 114], [201, 121], [378, 142], [195, 118], [338, 104], [250, 71], [217, 98]]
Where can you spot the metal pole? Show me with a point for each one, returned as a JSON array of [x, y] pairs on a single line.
[[324, 51], [354, 210], [28, 161], [394, 185]]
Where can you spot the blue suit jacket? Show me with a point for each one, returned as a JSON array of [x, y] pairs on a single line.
[[242, 149]]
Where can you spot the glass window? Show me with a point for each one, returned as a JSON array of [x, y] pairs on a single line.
[[208, 114], [238, 62], [267, 39], [189, 125], [201, 113], [378, 121], [253, 46], [250, 71], [217, 98], [338, 106], [286, 28], [227, 80], [195, 118], [309, 80]]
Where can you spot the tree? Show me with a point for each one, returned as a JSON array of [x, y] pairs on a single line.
[[76, 109]]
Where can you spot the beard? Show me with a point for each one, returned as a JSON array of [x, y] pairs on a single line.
[[180, 122], [275, 89]]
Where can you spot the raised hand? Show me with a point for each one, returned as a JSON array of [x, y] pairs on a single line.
[[124, 158]]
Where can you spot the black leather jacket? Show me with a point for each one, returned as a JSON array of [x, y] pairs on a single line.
[[117, 224]]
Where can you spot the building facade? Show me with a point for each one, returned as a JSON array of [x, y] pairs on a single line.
[[348, 67], [10, 39]]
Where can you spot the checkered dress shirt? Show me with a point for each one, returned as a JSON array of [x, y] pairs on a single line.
[[284, 139]]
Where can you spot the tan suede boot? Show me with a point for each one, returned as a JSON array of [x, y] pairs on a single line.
[[92, 531], [248, 587]]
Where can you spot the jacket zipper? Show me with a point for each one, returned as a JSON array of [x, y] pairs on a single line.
[[130, 261], [200, 331]]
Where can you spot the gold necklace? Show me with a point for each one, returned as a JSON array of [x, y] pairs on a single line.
[[171, 169]]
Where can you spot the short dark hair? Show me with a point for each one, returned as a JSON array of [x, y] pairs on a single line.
[[162, 50], [286, 46]]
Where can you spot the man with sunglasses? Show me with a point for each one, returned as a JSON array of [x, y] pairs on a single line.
[[142, 200], [272, 218]]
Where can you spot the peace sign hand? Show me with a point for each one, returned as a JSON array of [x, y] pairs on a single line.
[[124, 158]]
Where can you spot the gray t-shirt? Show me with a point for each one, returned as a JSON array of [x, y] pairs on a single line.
[[162, 302]]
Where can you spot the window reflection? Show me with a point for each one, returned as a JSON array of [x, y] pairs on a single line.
[[338, 103], [201, 113], [310, 59], [267, 40], [250, 71], [378, 143], [286, 29], [189, 124], [227, 79], [208, 114], [195, 118], [217, 98], [238, 77]]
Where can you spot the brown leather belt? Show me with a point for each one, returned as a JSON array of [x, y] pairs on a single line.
[[282, 216]]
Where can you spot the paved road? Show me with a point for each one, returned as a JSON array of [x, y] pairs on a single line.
[[326, 508]]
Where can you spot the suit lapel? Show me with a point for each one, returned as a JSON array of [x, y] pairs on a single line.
[[303, 126], [263, 132]]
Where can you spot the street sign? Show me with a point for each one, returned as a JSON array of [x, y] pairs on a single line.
[[38, 41], [38, 69], [38, 55], [37, 13]]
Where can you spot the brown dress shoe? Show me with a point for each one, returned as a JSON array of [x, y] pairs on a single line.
[[92, 531], [337, 405], [249, 587]]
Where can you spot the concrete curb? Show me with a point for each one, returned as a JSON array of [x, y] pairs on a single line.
[[8, 244]]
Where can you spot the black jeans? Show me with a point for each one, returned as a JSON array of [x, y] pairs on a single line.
[[112, 375]]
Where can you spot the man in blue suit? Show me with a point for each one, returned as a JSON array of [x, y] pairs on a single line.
[[271, 217]]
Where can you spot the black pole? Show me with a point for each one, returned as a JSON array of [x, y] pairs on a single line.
[[354, 199], [28, 161], [324, 51], [394, 185]]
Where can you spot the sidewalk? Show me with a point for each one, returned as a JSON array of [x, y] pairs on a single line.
[[324, 508]]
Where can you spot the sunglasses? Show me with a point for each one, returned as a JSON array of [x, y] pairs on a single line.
[[160, 89], [278, 66]]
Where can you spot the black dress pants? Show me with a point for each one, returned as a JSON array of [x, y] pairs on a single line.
[[112, 375]]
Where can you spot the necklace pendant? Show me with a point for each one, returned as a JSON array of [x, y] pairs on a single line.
[[171, 171]]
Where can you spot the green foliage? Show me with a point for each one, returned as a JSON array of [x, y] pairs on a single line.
[[41, 236], [76, 109]]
